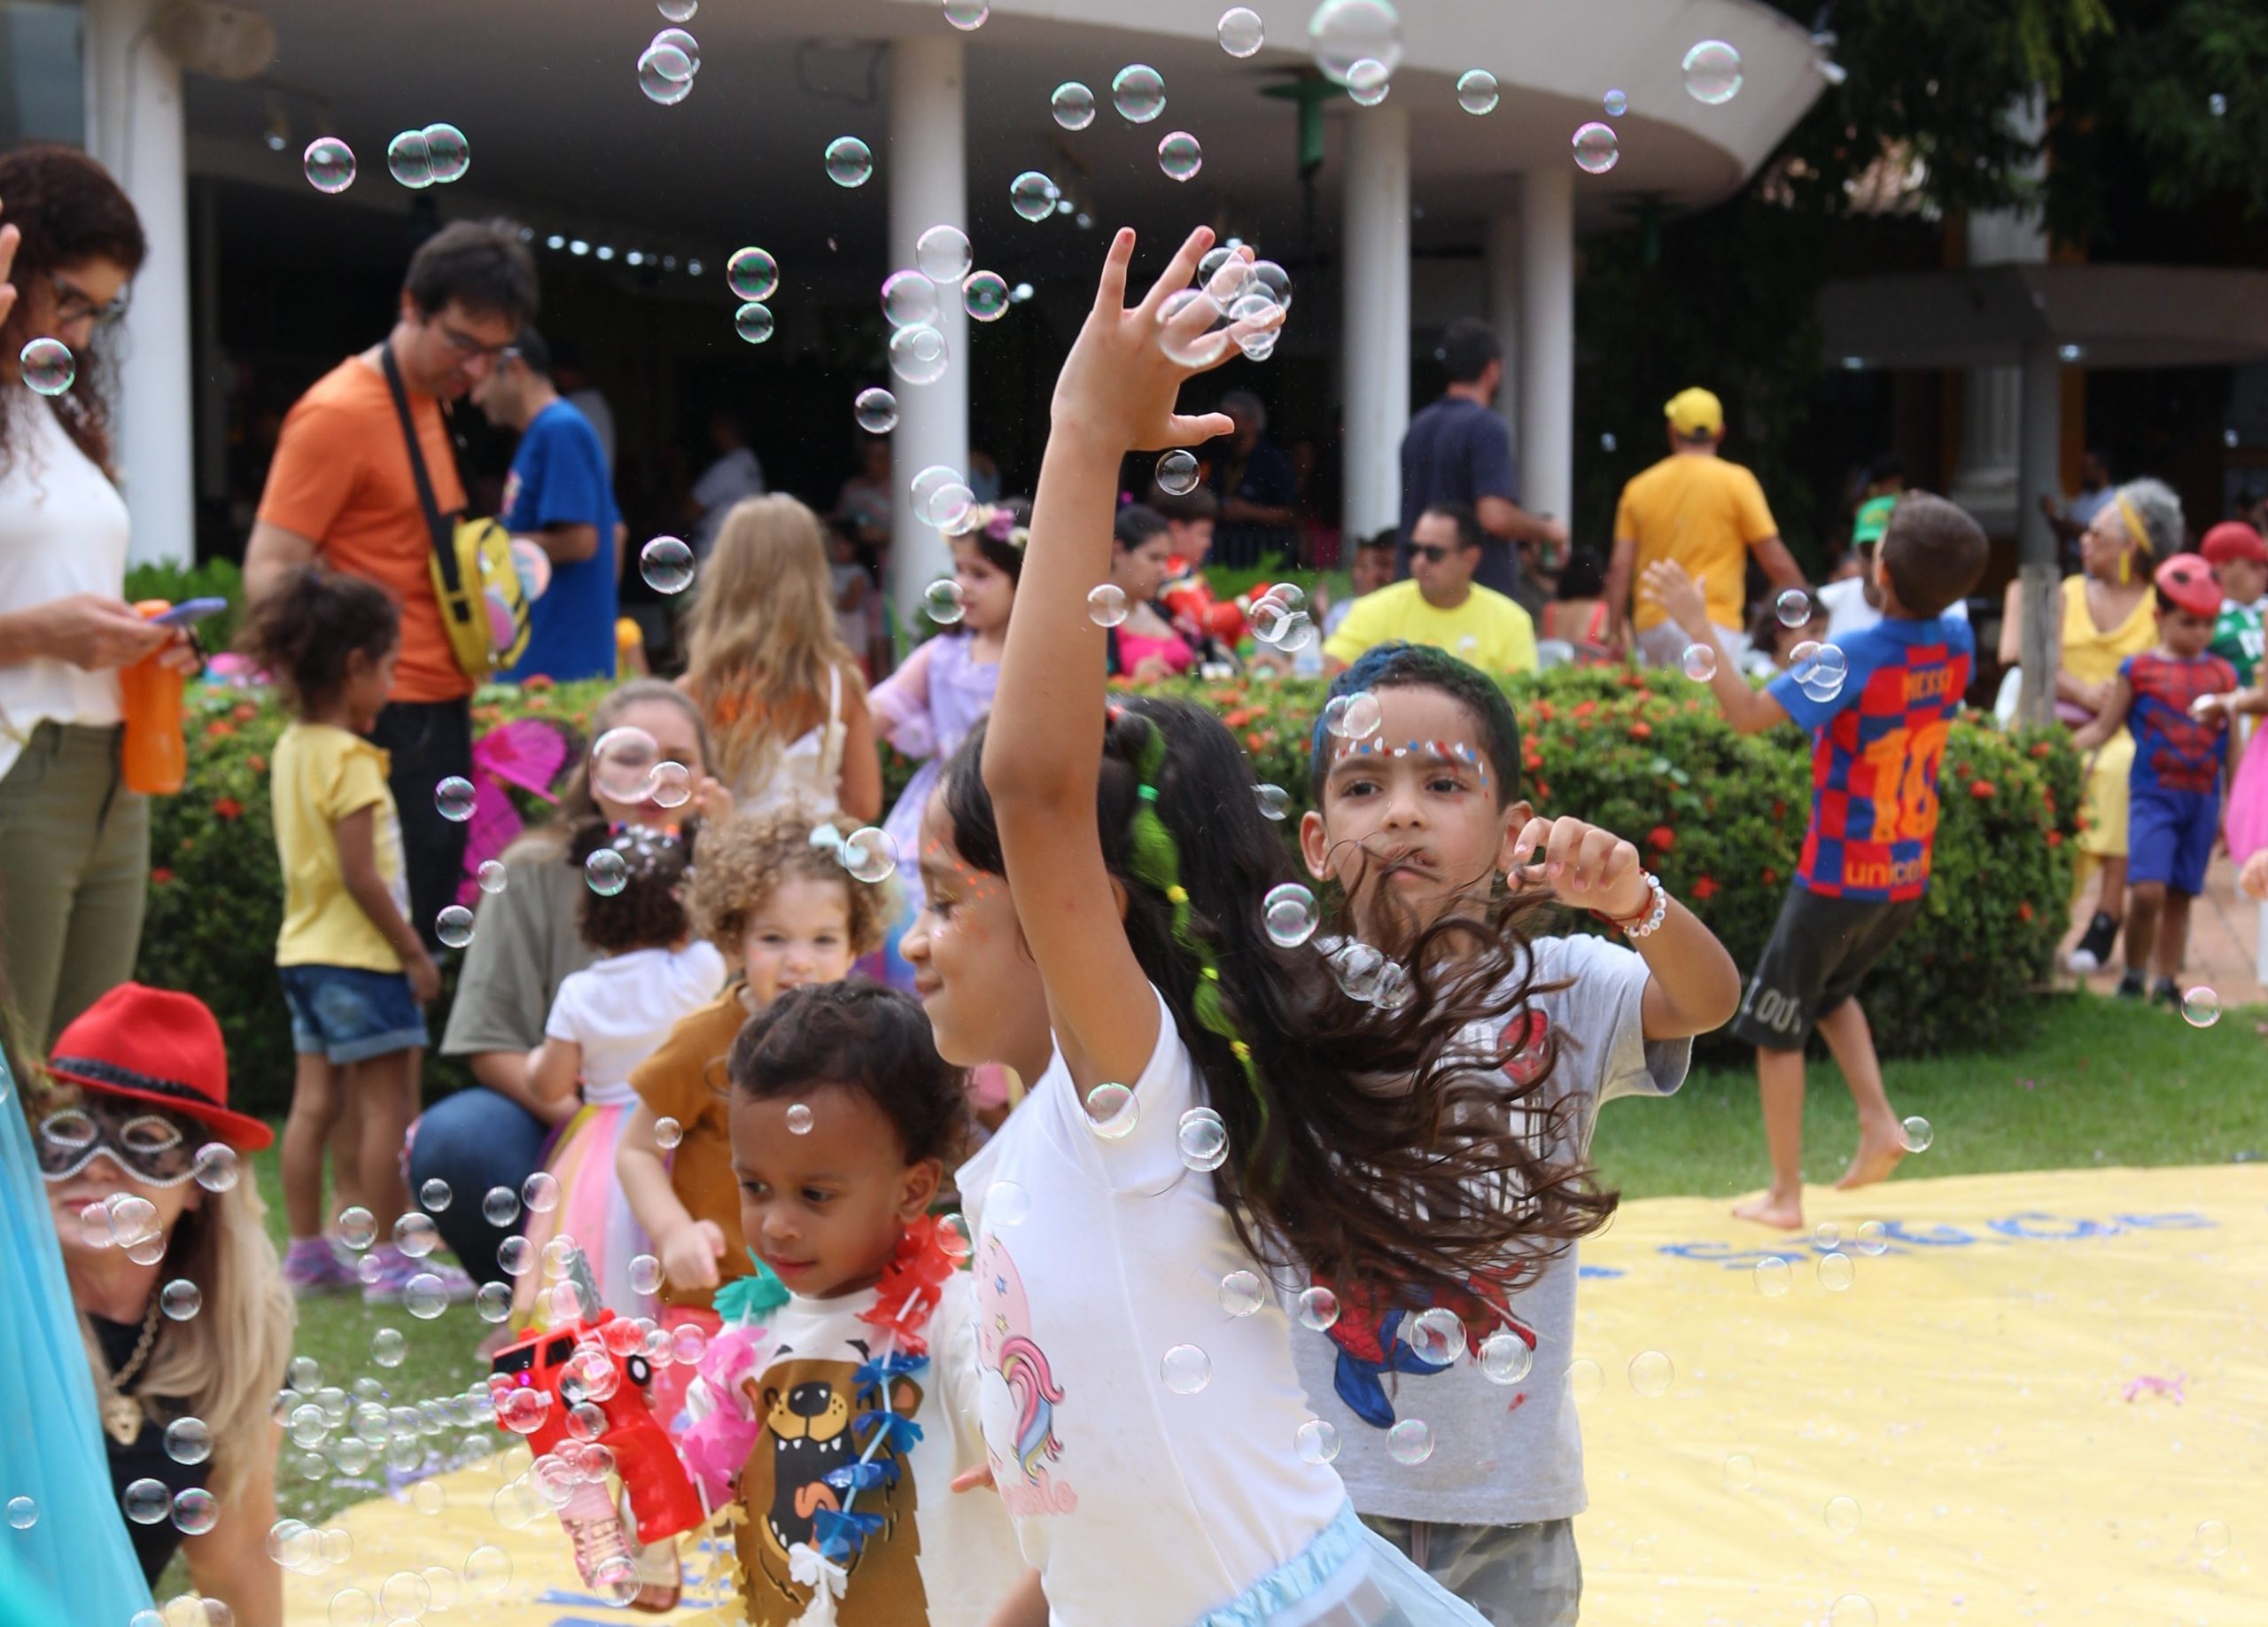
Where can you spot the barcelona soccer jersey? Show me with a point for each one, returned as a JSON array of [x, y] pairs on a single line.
[[1876, 743]]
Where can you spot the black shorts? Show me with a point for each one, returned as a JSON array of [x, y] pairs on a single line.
[[427, 742], [1821, 948]]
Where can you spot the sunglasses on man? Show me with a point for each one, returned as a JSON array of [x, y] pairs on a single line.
[[1432, 553]]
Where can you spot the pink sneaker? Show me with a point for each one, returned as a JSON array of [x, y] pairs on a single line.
[[387, 1272], [310, 1267]]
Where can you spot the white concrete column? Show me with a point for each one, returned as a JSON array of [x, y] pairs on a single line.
[[211, 377], [135, 130], [1994, 404], [1547, 443], [926, 171], [2038, 450], [1377, 324], [1500, 257]]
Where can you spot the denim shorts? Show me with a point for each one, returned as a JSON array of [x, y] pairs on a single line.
[[350, 1014]]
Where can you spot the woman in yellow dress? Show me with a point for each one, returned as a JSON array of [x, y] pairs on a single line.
[[2110, 612]]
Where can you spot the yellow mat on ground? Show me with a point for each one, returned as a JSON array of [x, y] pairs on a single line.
[[2043, 1402]]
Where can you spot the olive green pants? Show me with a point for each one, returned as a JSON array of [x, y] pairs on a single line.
[[74, 872]]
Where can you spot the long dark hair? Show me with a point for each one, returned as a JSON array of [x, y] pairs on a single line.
[[1373, 1144], [70, 211]]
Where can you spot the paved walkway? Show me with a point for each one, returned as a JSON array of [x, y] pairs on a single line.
[[2224, 930]]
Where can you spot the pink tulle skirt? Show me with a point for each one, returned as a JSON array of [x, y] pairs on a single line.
[[592, 1210]]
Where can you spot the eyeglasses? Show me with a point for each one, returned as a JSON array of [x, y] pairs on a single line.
[[153, 1146], [471, 349], [73, 305], [1432, 553]]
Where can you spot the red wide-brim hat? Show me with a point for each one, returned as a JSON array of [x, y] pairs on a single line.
[[160, 1046]]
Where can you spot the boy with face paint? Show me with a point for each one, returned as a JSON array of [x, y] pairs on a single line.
[[1415, 822]]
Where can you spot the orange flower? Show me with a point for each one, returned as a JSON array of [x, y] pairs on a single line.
[[2024, 910], [256, 763], [1641, 730], [536, 681], [2054, 839], [228, 807], [244, 712], [1255, 741], [219, 728]]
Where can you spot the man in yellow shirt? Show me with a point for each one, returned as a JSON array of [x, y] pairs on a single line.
[[1440, 604], [1708, 516]]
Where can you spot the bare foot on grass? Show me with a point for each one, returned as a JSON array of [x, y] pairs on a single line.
[[1877, 1157], [1785, 1214]]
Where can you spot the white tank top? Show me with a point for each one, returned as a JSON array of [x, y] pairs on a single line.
[[809, 768]]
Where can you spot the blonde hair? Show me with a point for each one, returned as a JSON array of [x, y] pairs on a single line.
[[225, 1363], [762, 641], [737, 864], [577, 811]]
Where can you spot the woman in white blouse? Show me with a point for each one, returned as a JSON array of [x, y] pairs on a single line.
[[74, 842]]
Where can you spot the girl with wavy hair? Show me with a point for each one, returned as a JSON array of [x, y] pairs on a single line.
[[785, 704]]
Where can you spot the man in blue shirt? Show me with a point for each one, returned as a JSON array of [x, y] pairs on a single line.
[[1459, 454], [560, 498]]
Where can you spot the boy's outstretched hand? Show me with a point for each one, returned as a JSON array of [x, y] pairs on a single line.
[[1667, 584], [1120, 384], [1581, 864]]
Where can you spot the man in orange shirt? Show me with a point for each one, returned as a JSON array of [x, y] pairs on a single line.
[[1707, 515], [341, 491]]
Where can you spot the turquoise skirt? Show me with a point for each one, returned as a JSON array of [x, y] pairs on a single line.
[[1348, 1576]]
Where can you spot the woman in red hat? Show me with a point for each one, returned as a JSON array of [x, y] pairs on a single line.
[[181, 1298]]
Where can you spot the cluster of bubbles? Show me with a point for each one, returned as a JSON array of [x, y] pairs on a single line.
[[754, 277], [434, 156], [1238, 299], [48, 365], [1278, 618], [666, 67]]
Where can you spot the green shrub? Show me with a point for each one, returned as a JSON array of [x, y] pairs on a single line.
[[1720, 818]]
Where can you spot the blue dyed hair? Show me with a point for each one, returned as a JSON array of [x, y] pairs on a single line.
[[1425, 666]]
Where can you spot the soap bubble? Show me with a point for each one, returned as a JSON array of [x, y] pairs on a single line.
[[1275, 801], [1740, 1471], [1584, 1381], [684, 44], [1852, 1610], [487, 1571], [942, 253], [358, 1229], [917, 353], [1357, 968], [985, 296], [2201, 1007], [1180, 156], [434, 1195], [1699, 662], [1138, 92], [1113, 1111], [1343, 33], [1204, 1140], [966, 14], [1177, 472], [195, 1511], [48, 366], [645, 1274], [500, 1207], [1835, 1271], [942, 602], [1074, 106], [1106, 604], [870, 854], [1712, 73], [1874, 1238], [1318, 1441], [1505, 1358], [388, 1347], [492, 876], [678, 11], [1843, 1516], [492, 1301], [849, 163], [754, 323], [1793, 607], [147, 1501], [330, 165], [524, 1410], [1773, 1277], [953, 1239], [188, 1440], [665, 74], [1437, 1337], [1410, 1441], [23, 1513], [424, 1297], [1185, 1369], [1319, 1309], [181, 1299], [1616, 104], [1242, 1293], [416, 1235], [453, 926], [1651, 1373], [1477, 92], [666, 563], [1355, 716], [539, 1193], [1596, 148], [408, 160], [1032, 195], [2213, 1537], [1918, 1134], [1367, 82], [1191, 326], [622, 764], [667, 1134], [1240, 31], [447, 154], [752, 274], [876, 410], [799, 1119], [216, 1167], [1819, 675], [604, 873], [405, 1596], [1290, 914]]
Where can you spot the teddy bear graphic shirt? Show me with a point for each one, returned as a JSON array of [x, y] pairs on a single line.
[[937, 1558], [1143, 1433]]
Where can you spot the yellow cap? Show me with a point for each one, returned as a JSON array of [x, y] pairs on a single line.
[[1694, 411]]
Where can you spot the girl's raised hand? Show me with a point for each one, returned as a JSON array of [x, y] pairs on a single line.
[[1579, 863], [1120, 384]]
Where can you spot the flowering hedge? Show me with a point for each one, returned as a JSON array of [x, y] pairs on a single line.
[[1720, 818]]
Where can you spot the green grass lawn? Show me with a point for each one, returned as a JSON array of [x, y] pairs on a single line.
[[2108, 1084]]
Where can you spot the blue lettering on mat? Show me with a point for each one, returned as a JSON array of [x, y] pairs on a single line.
[[1900, 1237]]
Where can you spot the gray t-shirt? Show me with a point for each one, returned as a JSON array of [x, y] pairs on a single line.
[[523, 947], [1503, 1454]]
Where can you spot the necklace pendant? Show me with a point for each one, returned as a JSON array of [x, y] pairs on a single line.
[[122, 1418]]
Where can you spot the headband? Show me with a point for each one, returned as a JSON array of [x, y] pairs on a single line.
[[2132, 515]]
